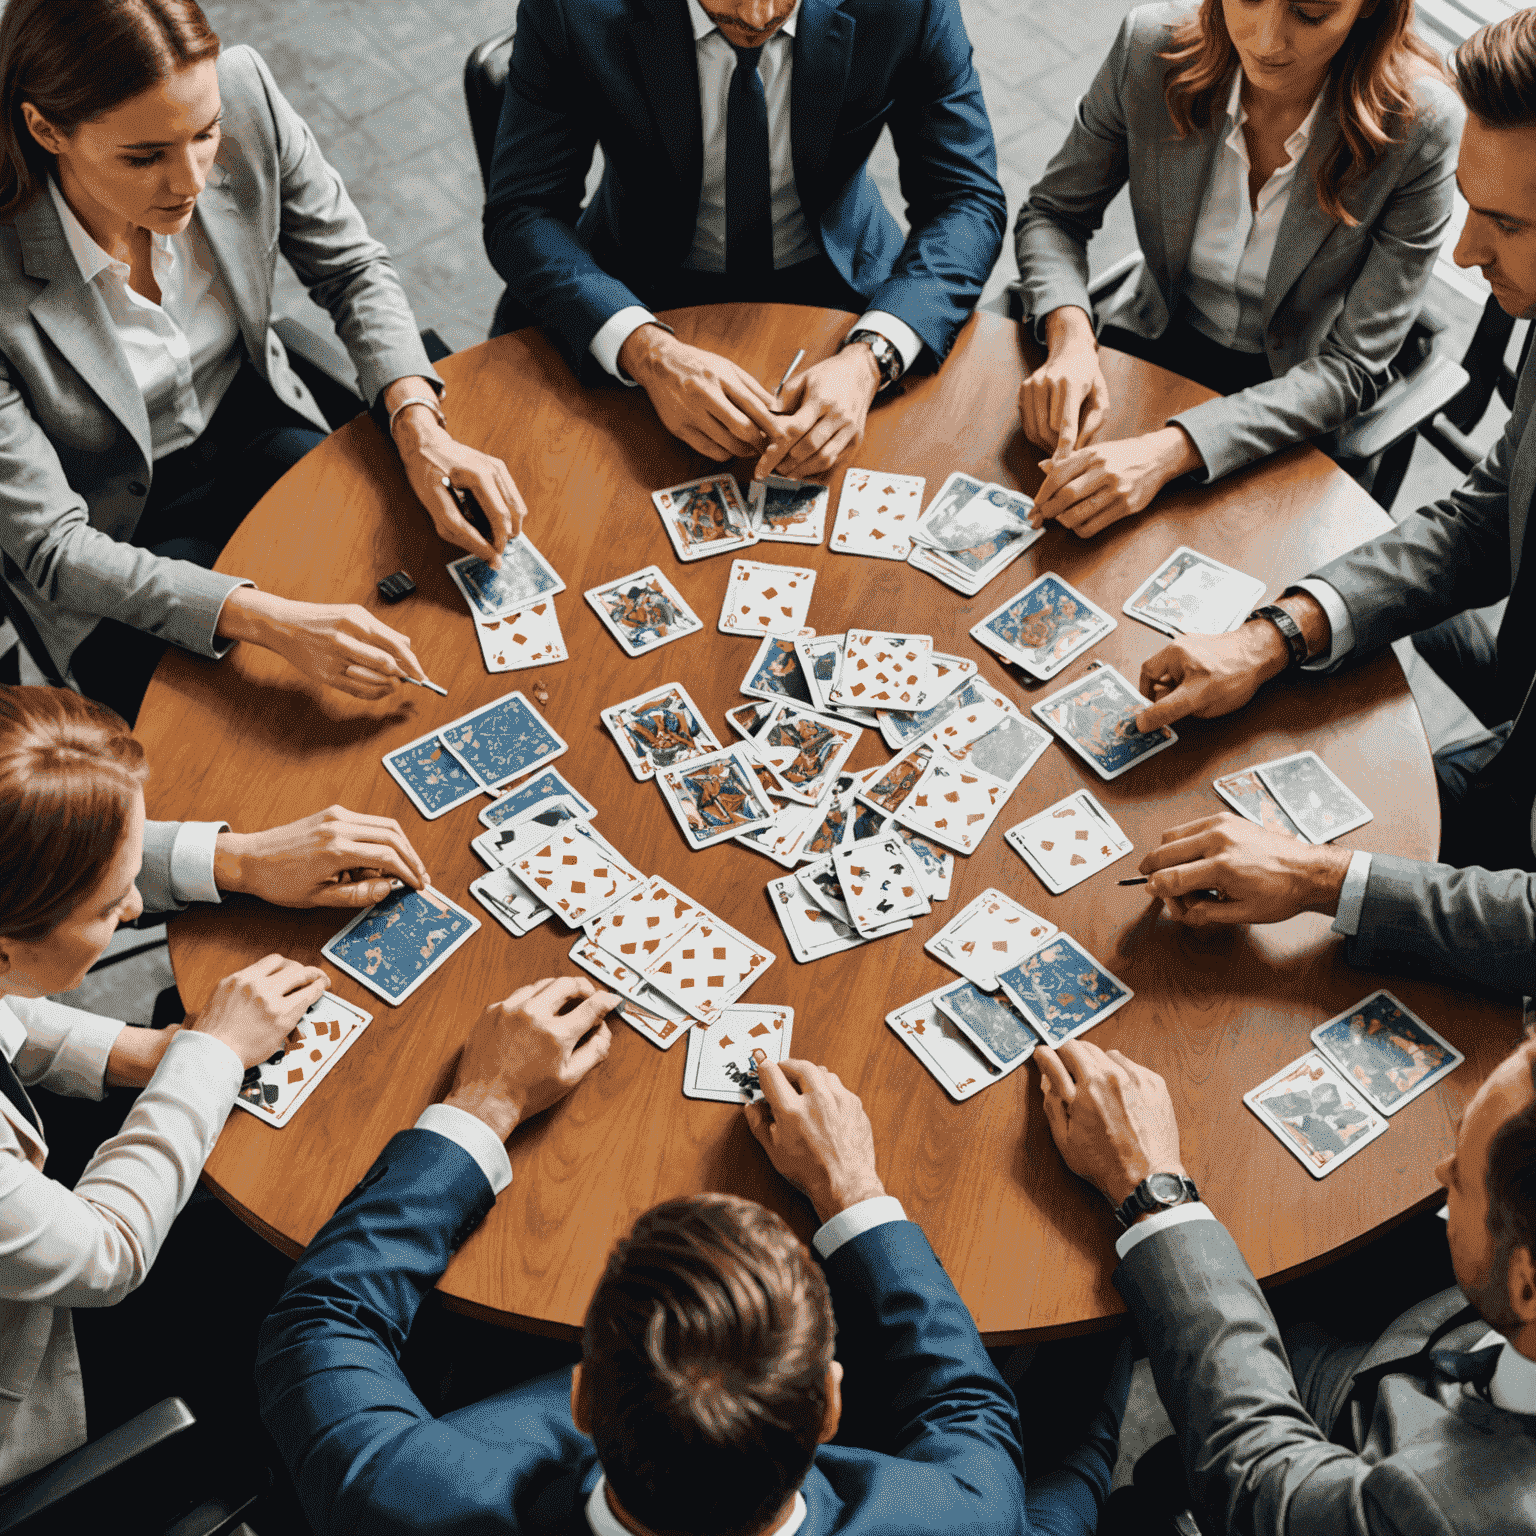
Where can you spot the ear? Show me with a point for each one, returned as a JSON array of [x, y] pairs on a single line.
[[578, 1412], [834, 1414], [41, 129], [1522, 1285]]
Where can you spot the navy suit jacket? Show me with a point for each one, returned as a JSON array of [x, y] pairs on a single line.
[[367, 1457], [623, 73]]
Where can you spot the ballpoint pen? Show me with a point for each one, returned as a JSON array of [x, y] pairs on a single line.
[[418, 682], [794, 363]]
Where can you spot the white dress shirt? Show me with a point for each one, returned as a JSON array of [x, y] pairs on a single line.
[[1234, 241], [185, 351]]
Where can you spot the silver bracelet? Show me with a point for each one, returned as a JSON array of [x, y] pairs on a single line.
[[406, 404]]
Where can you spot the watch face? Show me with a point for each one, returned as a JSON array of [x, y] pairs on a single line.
[[1166, 1188]]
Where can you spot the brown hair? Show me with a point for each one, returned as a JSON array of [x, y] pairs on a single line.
[[1496, 72], [69, 773], [704, 1365], [77, 59], [1369, 90]]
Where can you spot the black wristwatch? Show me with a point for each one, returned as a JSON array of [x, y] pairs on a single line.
[[1156, 1192], [1290, 631], [887, 358]]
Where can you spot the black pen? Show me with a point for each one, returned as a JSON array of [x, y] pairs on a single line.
[[1134, 880]]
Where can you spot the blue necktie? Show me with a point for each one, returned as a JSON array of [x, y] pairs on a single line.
[[748, 209]]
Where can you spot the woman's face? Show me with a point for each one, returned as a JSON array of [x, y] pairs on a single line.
[[58, 962], [1286, 46], [144, 162]]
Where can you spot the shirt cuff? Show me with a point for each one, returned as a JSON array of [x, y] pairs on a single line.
[[1175, 1216], [614, 332], [1352, 894], [221, 648], [1339, 622], [192, 861], [897, 332], [857, 1219], [475, 1136]]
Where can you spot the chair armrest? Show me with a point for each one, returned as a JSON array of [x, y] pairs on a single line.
[[1112, 276], [1451, 442], [1403, 406]]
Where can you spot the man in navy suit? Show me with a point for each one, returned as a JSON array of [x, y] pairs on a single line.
[[708, 1398], [735, 137]]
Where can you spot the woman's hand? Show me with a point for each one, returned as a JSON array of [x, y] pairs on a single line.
[[254, 1010], [1064, 400], [1090, 488]]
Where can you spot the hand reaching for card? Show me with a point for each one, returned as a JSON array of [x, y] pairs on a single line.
[[528, 1051], [1209, 675], [816, 1134], [1087, 489], [254, 1010]]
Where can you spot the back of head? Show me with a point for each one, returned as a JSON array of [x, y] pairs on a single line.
[[1511, 1203], [70, 772], [704, 1366], [1496, 72], [77, 59]]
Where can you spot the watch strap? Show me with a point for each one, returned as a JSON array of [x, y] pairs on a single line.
[[1290, 631], [887, 357], [1141, 1200]]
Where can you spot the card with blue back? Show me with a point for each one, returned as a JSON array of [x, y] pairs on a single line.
[[1062, 990], [524, 577], [431, 776], [992, 1024], [503, 741], [541, 787], [396, 944]]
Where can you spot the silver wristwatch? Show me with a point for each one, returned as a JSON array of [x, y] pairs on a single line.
[[1156, 1192], [887, 358]]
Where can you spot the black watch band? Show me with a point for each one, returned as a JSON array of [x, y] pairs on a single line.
[[883, 349], [1290, 631], [1156, 1192]]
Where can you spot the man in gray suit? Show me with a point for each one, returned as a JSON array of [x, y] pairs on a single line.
[[1427, 1426], [1472, 916]]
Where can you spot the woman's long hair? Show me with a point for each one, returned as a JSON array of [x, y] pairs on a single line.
[[1369, 91], [77, 59]]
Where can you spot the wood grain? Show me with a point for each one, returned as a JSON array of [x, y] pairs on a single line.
[[1215, 1013]]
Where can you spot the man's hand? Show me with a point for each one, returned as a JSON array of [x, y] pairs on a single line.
[[713, 405], [816, 1134], [1062, 402], [1209, 675], [1112, 1120], [1264, 876], [827, 408], [527, 1053], [335, 858], [1088, 489]]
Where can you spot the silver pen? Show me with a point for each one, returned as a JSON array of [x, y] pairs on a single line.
[[418, 682], [794, 363]]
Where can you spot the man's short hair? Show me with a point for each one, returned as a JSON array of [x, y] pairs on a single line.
[[1512, 1182], [1495, 72], [704, 1364]]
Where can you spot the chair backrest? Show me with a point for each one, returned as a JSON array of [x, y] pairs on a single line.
[[485, 82], [1484, 361], [26, 631]]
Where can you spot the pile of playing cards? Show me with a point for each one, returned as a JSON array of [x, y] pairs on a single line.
[[1299, 794], [513, 608], [972, 531], [1192, 594], [1045, 627]]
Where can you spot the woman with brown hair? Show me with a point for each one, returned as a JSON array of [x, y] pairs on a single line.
[[148, 184], [1291, 165], [71, 840]]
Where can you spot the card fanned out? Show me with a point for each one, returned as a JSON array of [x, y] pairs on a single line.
[[274, 1089], [1316, 1113], [944, 1049]]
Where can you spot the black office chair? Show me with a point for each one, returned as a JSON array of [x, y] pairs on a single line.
[[1448, 431], [485, 82]]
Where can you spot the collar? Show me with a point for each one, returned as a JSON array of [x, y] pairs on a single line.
[[703, 26], [604, 1522], [1237, 115], [89, 256], [1513, 1387], [13, 1033]]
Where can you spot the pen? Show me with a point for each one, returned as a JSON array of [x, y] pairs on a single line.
[[1134, 880], [794, 363], [417, 682]]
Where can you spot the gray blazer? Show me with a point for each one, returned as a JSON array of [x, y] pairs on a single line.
[[1338, 301], [1415, 1456], [75, 465]]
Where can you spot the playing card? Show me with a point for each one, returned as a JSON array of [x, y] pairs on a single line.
[[272, 1091], [784, 838], [708, 967], [992, 1024], [768, 777], [805, 749], [876, 514], [1247, 794], [1313, 796], [934, 864], [1388, 1053], [705, 517], [1316, 1113], [502, 741], [528, 638], [643, 610], [958, 488], [1044, 627], [1007, 749], [1192, 594], [879, 884], [723, 1057], [576, 873], [1096, 717], [882, 671], [776, 674], [509, 901], [988, 936], [525, 577], [656, 1017], [497, 846], [513, 802], [1068, 841], [868, 820], [899, 727], [788, 511], [648, 920], [953, 804], [812, 932], [958, 1067], [715, 797], [896, 780], [659, 729], [1062, 990], [939, 565], [393, 946], [836, 823], [765, 599], [431, 776], [980, 538], [820, 661]]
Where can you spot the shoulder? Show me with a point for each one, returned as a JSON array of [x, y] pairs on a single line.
[[1438, 115], [1148, 29], [243, 74]]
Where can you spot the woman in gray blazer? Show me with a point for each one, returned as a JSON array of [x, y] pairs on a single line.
[[1291, 168], [147, 187]]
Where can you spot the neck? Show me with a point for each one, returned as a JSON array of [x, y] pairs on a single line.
[[1295, 101], [114, 234], [629, 1522]]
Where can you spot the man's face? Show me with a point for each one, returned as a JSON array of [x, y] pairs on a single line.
[[748, 23], [1497, 175]]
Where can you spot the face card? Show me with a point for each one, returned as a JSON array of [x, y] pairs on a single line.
[[897, 780], [1315, 1113], [764, 599], [708, 967], [723, 1057], [529, 638], [1062, 990], [525, 577], [953, 804], [992, 1024], [988, 936], [876, 514], [836, 823], [1069, 841], [867, 820], [644, 1009], [1246, 793], [659, 729], [509, 901], [715, 797], [272, 1091], [509, 806], [643, 610], [820, 661], [788, 511], [576, 874], [1192, 594], [882, 671], [955, 1064], [1388, 1053], [431, 776], [776, 674], [705, 517], [811, 931], [1045, 627], [393, 946], [502, 741], [805, 749], [879, 884], [1314, 797], [1096, 717]]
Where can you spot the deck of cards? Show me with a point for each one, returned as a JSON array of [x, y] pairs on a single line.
[[1192, 594], [971, 532]]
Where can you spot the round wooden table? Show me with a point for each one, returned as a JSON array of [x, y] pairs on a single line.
[[1215, 1012]]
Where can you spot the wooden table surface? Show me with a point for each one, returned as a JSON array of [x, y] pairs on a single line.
[[1216, 1012]]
